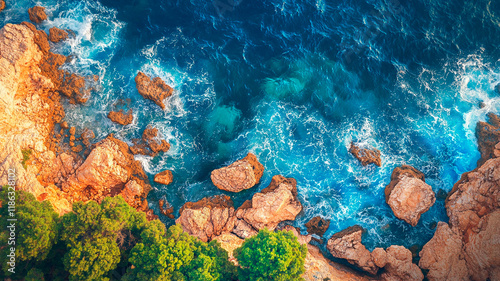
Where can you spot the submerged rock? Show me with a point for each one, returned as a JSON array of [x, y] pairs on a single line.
[[120, 117], [488, 136], [347, 245], [155, 90], [37, 14], [240, 175], [208, 217], [56, 34], [366, 156], [317, 225], [408, 195], [166, 209], [276, 203], [164, 177], [150, 144]]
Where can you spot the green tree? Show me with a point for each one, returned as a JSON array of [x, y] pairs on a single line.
[[271, 256], [175, 255], [36, 227], [97, 236]]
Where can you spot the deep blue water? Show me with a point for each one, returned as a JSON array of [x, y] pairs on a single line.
[[295, 82]]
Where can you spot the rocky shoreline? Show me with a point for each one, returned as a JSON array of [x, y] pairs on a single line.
[[62, 171]]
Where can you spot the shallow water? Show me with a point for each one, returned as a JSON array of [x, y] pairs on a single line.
[[294, 82]]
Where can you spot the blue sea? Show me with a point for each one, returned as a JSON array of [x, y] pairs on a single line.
[[294, 82]]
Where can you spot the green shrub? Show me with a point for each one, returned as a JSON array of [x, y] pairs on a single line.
[[271, 256]]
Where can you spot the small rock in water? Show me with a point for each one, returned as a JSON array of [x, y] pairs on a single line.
[[37, 14], [317, 225], [56, 34]]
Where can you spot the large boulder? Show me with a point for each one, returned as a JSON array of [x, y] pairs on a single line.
[[276, 203], [347, 245], [156, 90], [164, 177], [399, 266], [208, 217], [37, 14], [240, 175], [121, 117], [366, 156], [317, 225], [443, 257], [318, 268], [408, 195], [56, 34]]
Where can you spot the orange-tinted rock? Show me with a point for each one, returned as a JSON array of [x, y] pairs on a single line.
[[73, 87], [229, 242], [86, 136], [317, 225], [442, 256], [120, 117], [399, 265], [57, 34], [132, 191], [166, 209], [366, 156], [37, 14], [408, 195], [2, 5], [240, 175], [276, 203], [318, 268], [164, 177], [155, 90], [150, 144], [347, 245], [488, 135], [208, 218]]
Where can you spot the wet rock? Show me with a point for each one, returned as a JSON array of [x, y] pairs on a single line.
[[366, 156], [155, 90], [56, 35], [64, 125], [72, 131], [164, 177], [150, 144], [488, 135], [317, 267], [399, 265], [2, 5], [317, 225], [347, 245], [240, 175], [166, 209], [208, 218], [276, 203], [37, 14], [86, 136], [408, 195], [442, 256], [120, 117]]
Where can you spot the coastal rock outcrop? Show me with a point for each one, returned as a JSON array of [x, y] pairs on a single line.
[[208, 217], [2, 5], [317, 225], [408, 195], [106, 171], [121, 117], [399, 265], [488, 136], [164, 177], [37, 14], [276, 203], [156, 90], [230, 242], [56, 34], [347, 245], [366, 156], [240, 175], [150, 144], [317, 267]]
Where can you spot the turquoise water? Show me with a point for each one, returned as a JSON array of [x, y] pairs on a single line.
[[294, 82]]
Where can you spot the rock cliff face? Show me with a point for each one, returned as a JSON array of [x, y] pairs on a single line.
[[469, 247], [408, 195], [240, 175], [488, 135], [30, 87]]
